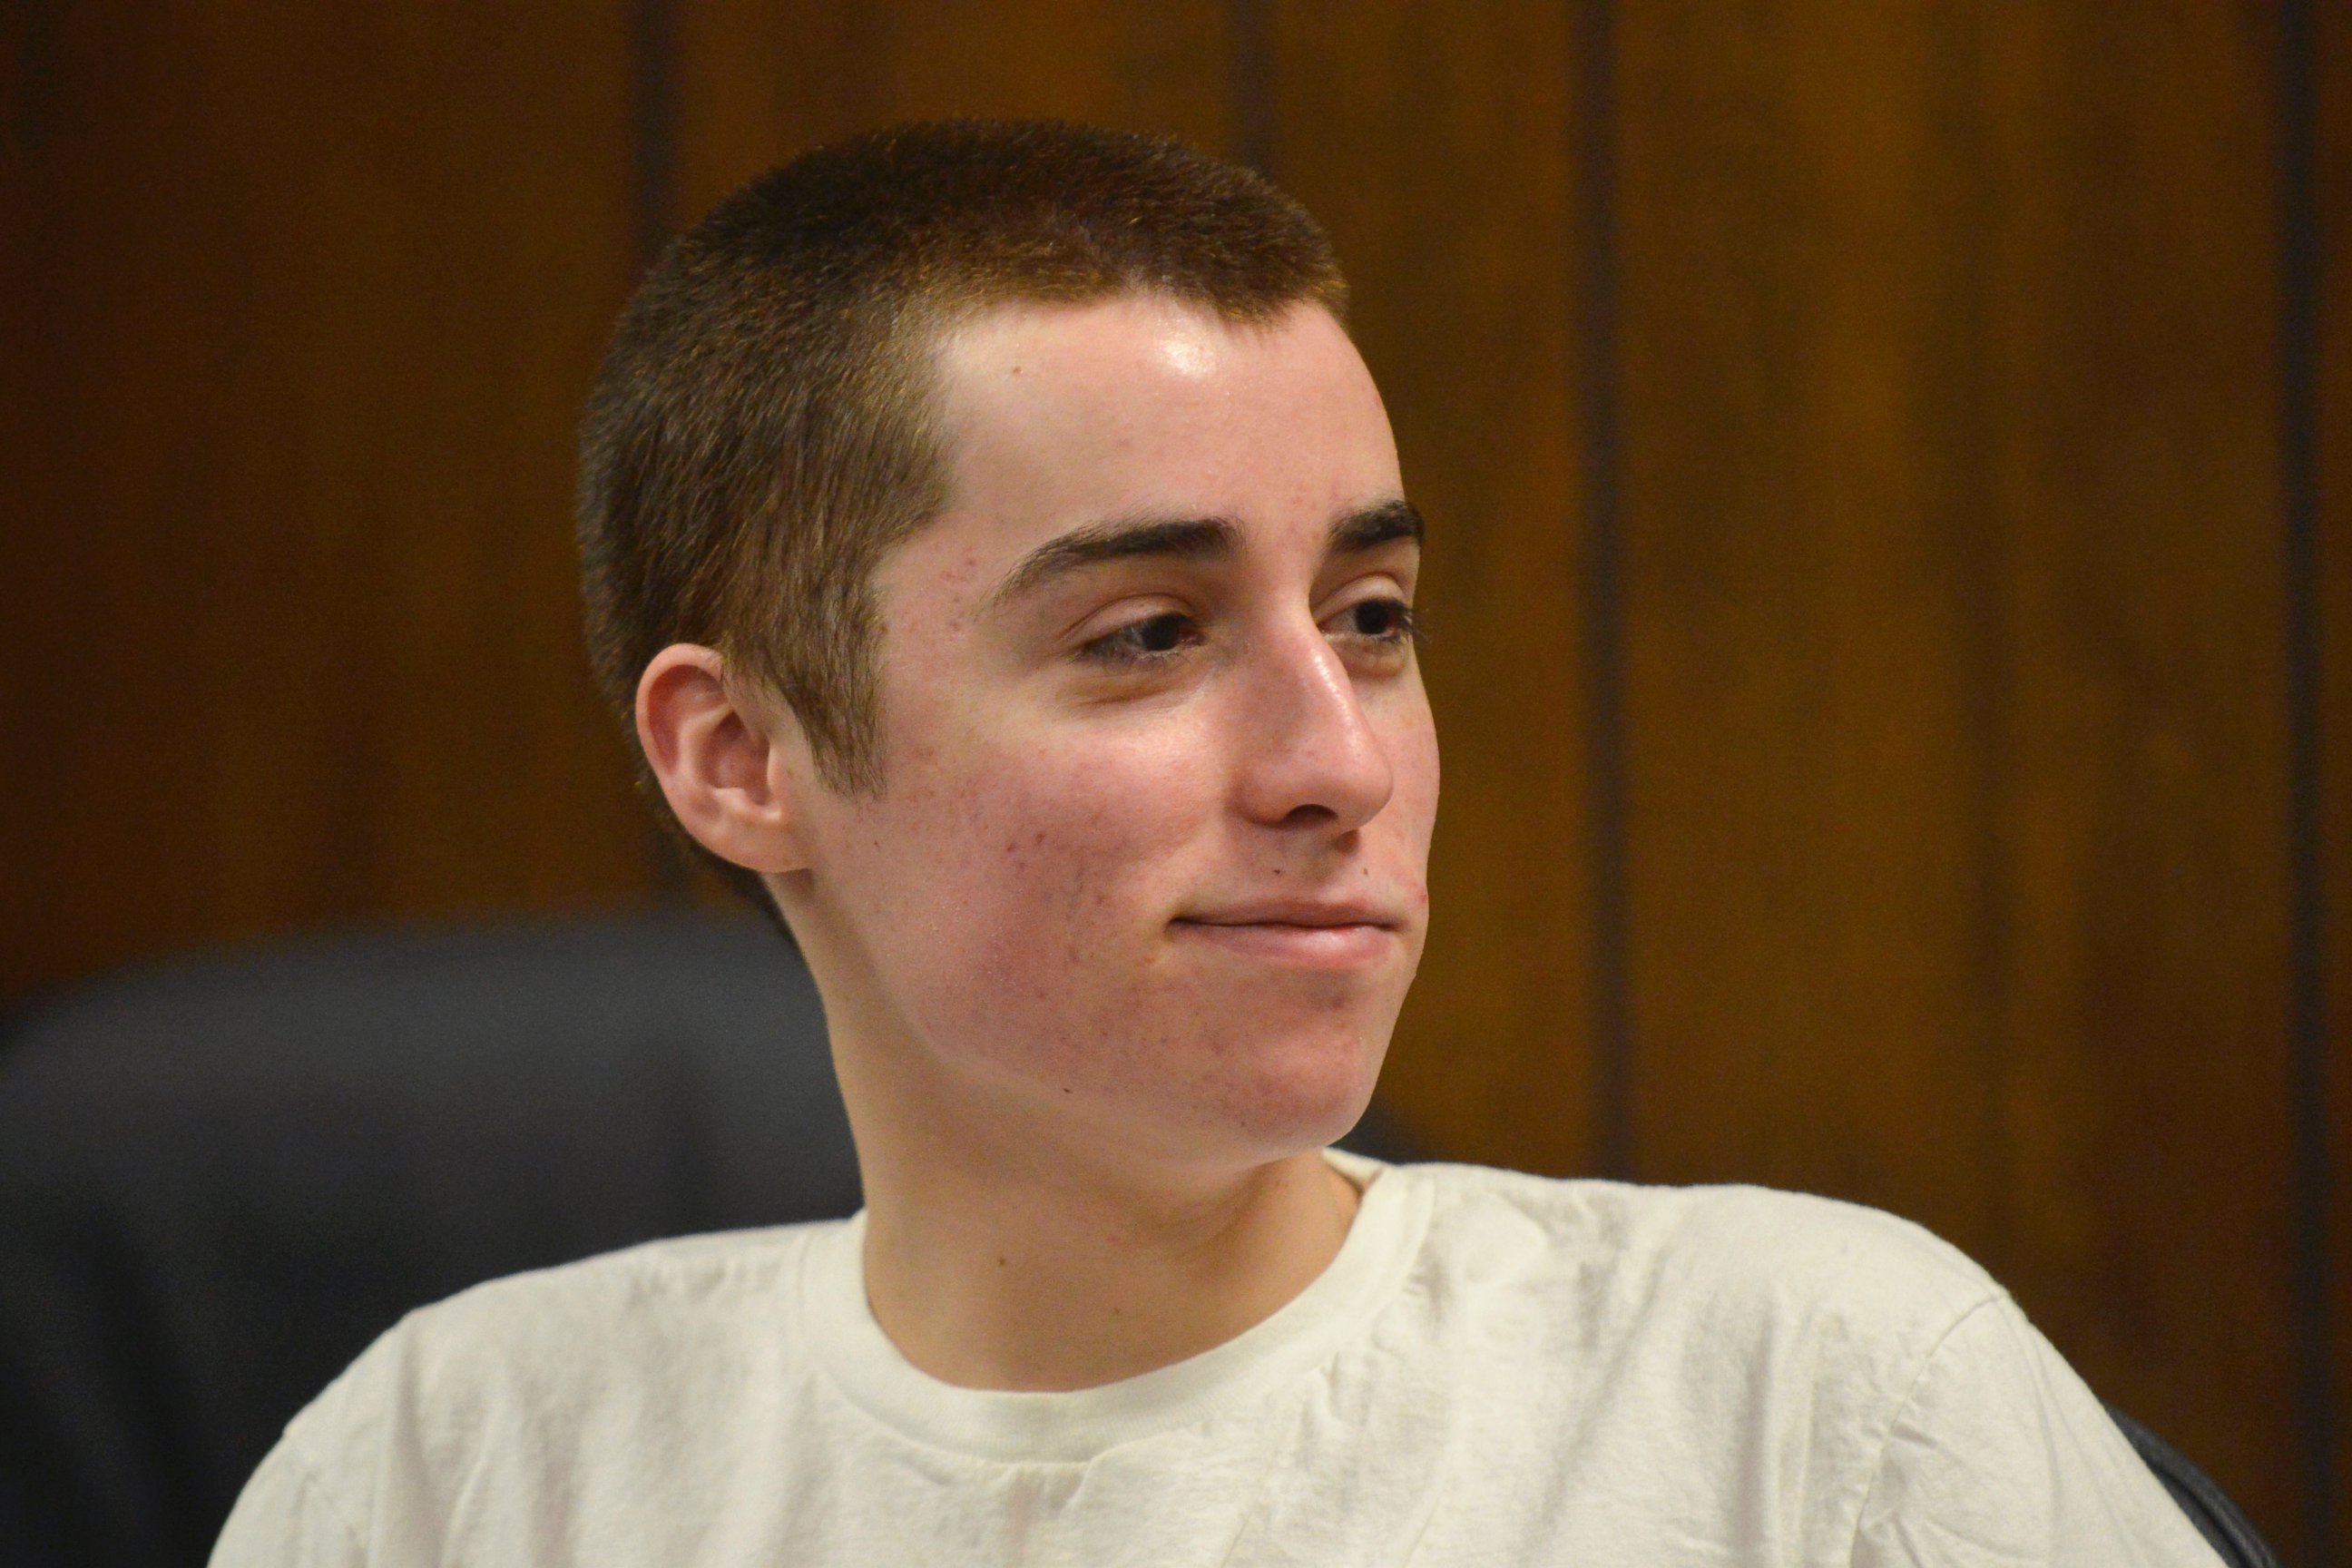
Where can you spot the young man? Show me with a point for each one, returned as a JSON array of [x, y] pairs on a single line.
[[1000, 549]]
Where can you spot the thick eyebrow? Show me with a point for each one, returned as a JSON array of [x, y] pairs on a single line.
[[1121, 539], [1189, 538], [1368, 527]]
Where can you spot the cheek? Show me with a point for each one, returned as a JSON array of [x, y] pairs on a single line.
[[1027, 884], [1411, 741]]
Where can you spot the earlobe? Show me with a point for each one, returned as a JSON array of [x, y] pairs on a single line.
[[716, 752]]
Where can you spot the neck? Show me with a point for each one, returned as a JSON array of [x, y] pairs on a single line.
[[1041, 1274]]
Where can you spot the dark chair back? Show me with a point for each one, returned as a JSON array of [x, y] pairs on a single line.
[[222, 1178], [2208, 1505]]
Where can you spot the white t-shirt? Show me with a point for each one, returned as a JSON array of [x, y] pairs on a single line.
[[1497, 1368]]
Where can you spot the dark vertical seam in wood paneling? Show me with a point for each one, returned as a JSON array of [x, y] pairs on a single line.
[[1250, 81], [1594, 72], [2299, 251], [653, 81]]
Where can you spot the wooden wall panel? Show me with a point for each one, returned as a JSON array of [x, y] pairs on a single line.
[[1440, 149], [1955, 701], [2331, 431], [2146, 743], [301, 307], [1806, 599], [757, 84]]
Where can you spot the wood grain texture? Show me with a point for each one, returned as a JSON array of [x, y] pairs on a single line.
[[2146, 743], [1956, 699], [1807, 604], [303, 308], [1439, 153], [2332, 431], [758, 84]]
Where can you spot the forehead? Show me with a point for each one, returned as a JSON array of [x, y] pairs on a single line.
[[1060, 416]]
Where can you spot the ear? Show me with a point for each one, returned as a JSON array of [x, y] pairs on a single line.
[[720, 755]]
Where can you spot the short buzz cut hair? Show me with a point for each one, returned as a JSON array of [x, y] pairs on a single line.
[[762, 431]]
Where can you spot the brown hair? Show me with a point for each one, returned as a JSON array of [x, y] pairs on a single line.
[[759, 434]]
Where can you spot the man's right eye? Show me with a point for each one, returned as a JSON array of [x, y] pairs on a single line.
[[1144, 641]]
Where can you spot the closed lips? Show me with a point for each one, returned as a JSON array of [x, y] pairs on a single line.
[[1293, 914]]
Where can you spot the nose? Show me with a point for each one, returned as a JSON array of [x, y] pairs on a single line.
[[1307, 755]]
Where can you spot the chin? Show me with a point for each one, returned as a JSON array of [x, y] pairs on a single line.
[[1306, 1094]]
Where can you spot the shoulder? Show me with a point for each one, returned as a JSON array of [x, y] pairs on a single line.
[[1809, 1284], [1737, 1239], [1828, 1380], [1697, 1345], [530, 1363], [623, 1306]]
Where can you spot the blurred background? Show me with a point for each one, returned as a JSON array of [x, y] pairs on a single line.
[[1888, 468]]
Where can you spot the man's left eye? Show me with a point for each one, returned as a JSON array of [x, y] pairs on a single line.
[[1379, 620]]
